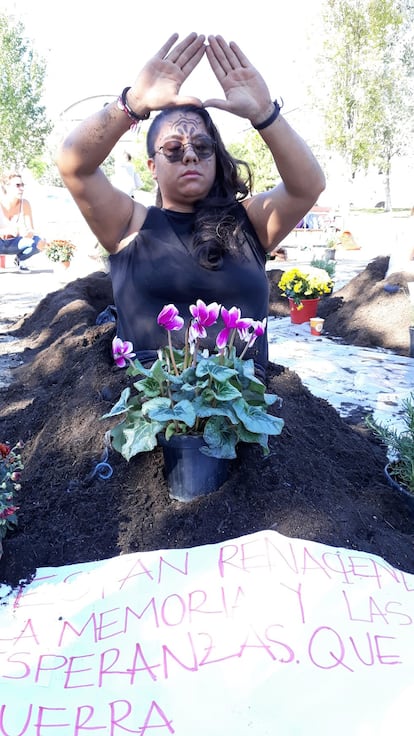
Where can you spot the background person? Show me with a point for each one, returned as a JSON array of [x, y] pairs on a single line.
[[208, 237], [126, 178], [17, 234]]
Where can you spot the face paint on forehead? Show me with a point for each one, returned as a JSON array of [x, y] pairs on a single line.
[[187, 125]]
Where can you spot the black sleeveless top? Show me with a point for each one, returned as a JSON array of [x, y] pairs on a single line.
[[158, 268]]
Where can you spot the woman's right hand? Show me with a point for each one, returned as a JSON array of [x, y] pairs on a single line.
[[111, 214], [158, 84]]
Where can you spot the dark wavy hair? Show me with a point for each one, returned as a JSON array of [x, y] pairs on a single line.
[[216, 228]]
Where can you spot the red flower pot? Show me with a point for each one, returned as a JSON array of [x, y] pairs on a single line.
[[309, 309]]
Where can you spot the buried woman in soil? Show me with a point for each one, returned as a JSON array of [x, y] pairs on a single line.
[[208, 236]]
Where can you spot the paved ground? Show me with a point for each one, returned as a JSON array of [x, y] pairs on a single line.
[[355, 380], [20, 291]]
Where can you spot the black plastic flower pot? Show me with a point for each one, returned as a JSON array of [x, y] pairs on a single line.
[[411, 346], [398, 487], [190, 473]]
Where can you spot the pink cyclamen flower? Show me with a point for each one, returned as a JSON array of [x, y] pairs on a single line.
[[204, 316], [233, 320], [169, 318], [256, 329], [122, 351], [8, 512]]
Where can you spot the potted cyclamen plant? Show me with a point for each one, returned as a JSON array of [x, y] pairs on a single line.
[[191, 401]]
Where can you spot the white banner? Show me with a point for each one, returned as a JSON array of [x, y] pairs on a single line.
[[258, 636]]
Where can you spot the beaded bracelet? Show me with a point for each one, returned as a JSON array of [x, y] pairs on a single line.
[[123, 105], [271, 119]]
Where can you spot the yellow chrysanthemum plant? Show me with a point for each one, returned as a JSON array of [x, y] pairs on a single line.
[[301, 284]]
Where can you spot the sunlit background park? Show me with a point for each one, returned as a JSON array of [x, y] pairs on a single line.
[[344, 70], [310, 546]]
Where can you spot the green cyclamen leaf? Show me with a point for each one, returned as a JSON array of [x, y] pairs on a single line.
[[253, 437], [219, 372], [130, 440], [255, 419], [121, 405], [148, 386], [220, 438], [183, 411], [225, 392], [159, 402], [204, 409]]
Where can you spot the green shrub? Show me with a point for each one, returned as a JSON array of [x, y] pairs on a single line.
[[400, 444]]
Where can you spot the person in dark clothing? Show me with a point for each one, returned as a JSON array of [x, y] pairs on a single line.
[[207, 237]]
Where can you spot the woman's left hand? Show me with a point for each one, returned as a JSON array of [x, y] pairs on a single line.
[[247, 94]]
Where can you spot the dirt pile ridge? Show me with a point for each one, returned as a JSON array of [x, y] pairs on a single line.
[[322, 481]]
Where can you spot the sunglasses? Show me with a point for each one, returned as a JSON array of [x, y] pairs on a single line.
[[20, 184], [174, 151]]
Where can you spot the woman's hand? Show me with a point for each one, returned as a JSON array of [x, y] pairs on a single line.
[[158, 83], [247, 94]]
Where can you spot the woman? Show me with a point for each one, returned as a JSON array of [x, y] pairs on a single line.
[[16, 222], [126, 178], [208, 237]]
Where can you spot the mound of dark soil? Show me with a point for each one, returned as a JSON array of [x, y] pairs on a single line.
[[322, 481]]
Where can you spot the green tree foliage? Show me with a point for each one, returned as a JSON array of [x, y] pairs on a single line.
[[394, 128], [23, 123], [140, 163], [367, 79], [254, 151]]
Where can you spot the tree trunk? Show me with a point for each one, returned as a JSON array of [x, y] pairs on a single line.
[[387, 187]]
